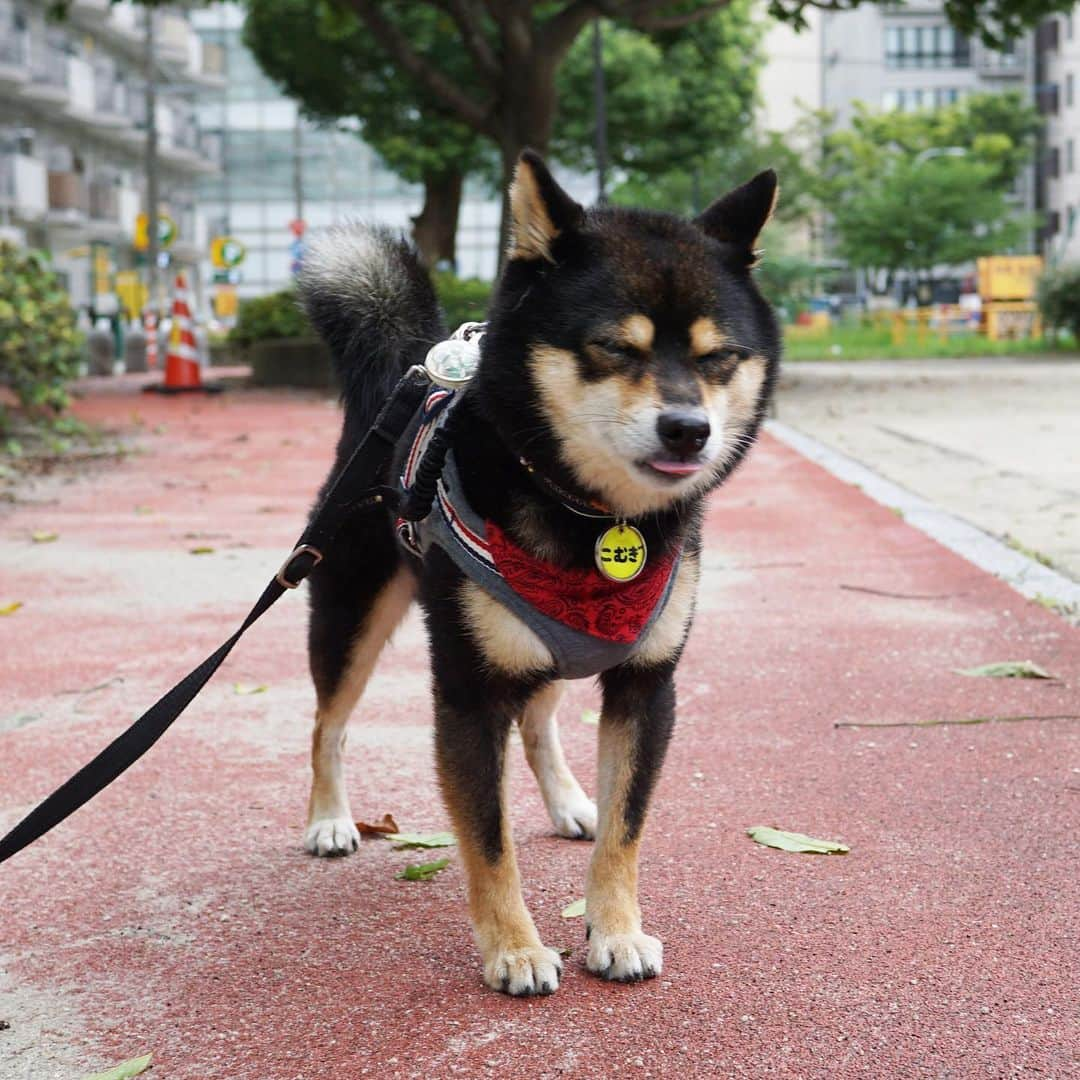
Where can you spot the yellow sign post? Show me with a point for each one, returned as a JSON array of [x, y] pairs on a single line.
[[1007, 286]]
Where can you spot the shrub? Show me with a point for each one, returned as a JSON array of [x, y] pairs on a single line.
[[278, 315], [1059, 298], [462, 299], [40, 347], [270, 318]]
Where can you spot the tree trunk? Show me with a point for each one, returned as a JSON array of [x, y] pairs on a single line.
[[527, 120], [435, 227]]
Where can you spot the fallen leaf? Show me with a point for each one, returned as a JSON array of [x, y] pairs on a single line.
[[793, 841], [564, 953], [125, 1070], [574, 910], [403, 840], [590, 716], [1008, 669], [249, 688], [144, 509], [201, 550], [10, 609], [422, 871], [44, 537], [380, 828]]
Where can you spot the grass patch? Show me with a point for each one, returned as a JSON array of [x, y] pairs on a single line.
[[866, 341]]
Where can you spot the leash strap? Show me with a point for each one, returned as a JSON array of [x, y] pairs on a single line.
[[354, 489]]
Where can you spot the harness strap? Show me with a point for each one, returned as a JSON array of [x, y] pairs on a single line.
[[353, 489]]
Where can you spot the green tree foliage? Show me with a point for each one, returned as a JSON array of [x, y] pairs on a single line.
[[324, 57], [671, 95], [994, 129], [916, 215], [911, 191], [40, 347]]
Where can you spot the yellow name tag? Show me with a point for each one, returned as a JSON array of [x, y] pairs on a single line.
[[621, 553]]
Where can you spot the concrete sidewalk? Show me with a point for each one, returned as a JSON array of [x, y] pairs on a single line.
[[995, 440], [178, 914]]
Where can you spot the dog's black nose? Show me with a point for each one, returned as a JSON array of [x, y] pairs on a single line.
[[683, 431]]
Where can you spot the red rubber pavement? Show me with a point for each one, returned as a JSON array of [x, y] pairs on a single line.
[[178, 914]]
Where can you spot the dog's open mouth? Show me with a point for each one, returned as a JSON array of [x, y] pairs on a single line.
[[673, 468]]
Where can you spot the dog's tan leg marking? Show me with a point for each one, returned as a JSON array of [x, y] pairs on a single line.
[[331, 829], [618, 950], [514, 958], [572, 812], [669, 631]]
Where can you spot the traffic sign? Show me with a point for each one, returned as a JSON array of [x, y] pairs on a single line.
[[226, 252], [166, 232]]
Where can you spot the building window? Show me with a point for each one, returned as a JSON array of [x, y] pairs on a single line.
[[1070, 88], [938, 46], [1070, 155], [909, 100]]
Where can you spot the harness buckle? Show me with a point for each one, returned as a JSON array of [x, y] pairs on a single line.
[[303, 549]]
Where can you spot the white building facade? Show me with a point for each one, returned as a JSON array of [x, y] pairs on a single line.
[[1058, 95], [73, 133]]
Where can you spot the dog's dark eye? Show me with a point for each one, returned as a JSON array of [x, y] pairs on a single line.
[[617, 349], [729, 358]]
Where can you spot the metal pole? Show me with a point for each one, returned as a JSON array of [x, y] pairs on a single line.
[[600, 109], [226, 172], [298, 168], [151, 165]]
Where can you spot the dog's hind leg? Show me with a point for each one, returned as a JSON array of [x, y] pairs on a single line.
[[572, 812], [352, 617]]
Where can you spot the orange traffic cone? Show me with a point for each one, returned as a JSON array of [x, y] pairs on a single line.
[[183, 372]]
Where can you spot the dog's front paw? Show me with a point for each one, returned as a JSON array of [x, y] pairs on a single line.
[[573, 814], [624, 957], [332, 836], [523, 972]]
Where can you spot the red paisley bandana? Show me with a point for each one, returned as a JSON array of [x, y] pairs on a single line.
[[584, 600]]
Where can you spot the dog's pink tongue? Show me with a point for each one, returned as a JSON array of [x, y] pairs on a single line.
[[676, 468]]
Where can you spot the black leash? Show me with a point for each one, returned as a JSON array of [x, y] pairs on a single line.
[[355, 488]]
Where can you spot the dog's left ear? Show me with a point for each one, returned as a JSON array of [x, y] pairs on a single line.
[[540, 209], [738, 217]]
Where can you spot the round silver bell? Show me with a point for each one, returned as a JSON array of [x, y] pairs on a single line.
[[453, 363]]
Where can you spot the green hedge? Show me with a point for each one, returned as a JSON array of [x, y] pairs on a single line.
[[278, 315], [40, 347], [1059, 298], [462, 299], [269, 318]]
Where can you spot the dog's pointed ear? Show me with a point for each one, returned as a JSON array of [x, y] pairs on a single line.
[[540, 210], [738, 217]]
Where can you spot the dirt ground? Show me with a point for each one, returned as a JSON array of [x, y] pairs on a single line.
[[995, 441]]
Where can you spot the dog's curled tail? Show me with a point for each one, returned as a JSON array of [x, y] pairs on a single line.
[[365, 292]]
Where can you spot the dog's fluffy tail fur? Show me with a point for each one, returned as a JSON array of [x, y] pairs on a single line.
[[365, 292]]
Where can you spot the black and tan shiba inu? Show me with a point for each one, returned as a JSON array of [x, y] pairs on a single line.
[[625, 370]]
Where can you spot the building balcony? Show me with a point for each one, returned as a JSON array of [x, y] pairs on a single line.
[[68, 197], [14, 65], [48, 83], [24, 187]]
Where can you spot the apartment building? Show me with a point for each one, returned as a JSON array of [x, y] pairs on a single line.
[[1057, 75], [73, 131]]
